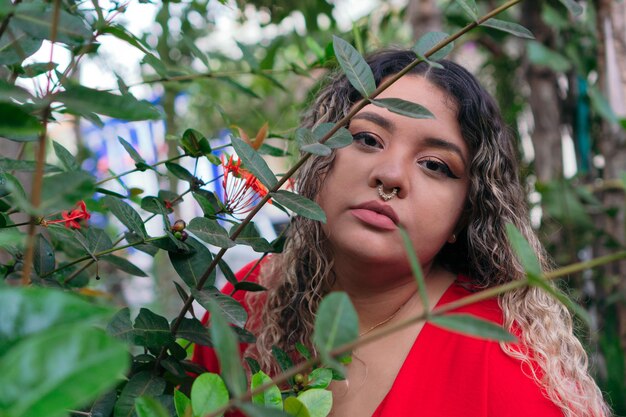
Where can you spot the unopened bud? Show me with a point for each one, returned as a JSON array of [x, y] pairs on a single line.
[[183, 235], [179, 226]]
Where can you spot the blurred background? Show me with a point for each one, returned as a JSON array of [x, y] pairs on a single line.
[[222, 66]]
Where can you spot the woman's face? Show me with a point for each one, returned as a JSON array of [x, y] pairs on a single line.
[[425, 159]]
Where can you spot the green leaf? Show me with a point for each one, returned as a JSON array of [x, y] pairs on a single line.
[[250, 236], [303, 350], [283, 360], [146, 406], [524, 252], [470, 8], [254, 410], [191, 266], [254, 162], [248, 56], [131, 151], [126, 214], [570, 304], [125, 107], [27, 311], [340, 139], [210, 231], [336, 324], [573, 6], [307, 142], [180, 172], [38, 68], [156, 64], [227, 349], [207, 201], [14, 49], [300, 205], [194, 143], [242, 88], [541, 55], [142, 383], [66, 158], [428, 41], [271, 397], [354, 66], [182, 403], [230, 309], [64, 190], [296, 408], [121, 327], [7, 164], [509, 27], [18, 125], [36, 20], [403, 107], [318, 401], [10, 92], [208, 394], [415, 267], [62, 368], [473, 326], [124, 265], [44, 260], [97, 240], [601, 105], [152, 330], [249, 286], [194, 331], [121, 33], [320, 378]]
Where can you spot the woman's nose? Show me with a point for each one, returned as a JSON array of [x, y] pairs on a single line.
[[391, 174]]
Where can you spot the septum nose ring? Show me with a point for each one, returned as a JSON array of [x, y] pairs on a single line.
[[387, 196]]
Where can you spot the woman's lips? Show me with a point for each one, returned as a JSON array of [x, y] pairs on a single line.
[[375, 214]]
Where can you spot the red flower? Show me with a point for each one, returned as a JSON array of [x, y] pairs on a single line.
[[241, 188], [71, 219]]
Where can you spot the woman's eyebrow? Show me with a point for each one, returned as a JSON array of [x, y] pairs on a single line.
[[445, 145], [375, 118]]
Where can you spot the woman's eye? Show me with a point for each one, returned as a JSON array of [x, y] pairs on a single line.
[[366, 140], [438, 167]]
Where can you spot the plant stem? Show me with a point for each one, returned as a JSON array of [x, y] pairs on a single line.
[[5, 22], [438, 311], [136, 169], [344, 121], [15, 225]]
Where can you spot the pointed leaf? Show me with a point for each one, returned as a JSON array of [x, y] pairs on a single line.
[[300, 205], [180, 172], [182, 404], [318, 401], [227, 349], [36, 20], [191, 266], [66, 158], [250, 236], [14, 49], [317, 149], [354, 66], [473, 326], [121, 327], [524, 252], [208, 393], [125, 107], [573, 6], [194, 331], [403, 107], [97, 240], [143, 383], [121, 33], [10, 92], [124, 265], [131, 151], [415, 267], [428, 41], [146, 406], [249, 286], [561, 297], [509, 27], [271, 397], [296, 408], [230, 309], [340, 139], [470, 8], [152, 330], [7, 164], [254, 410], [320, 378], [336, 323], [254, 162], [238, 86], [126, 214], [18, 125], [62, 368], [44, 260], [210, 231]]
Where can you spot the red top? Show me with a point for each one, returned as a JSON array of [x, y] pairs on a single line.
[[447, 374]]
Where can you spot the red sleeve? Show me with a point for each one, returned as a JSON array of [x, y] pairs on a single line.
[[204, 355]]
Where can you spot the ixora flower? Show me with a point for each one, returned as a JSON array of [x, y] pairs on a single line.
[[241, 189], [71, 218]]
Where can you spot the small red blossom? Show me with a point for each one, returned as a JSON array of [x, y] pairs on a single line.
[[241, 188], [71, 219]]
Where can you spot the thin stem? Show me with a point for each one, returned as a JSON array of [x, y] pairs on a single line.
[[5, 22], [344, 121], [114, 177], [15, 225], [438, 311]]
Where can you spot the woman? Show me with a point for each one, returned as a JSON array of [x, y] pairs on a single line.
[[452, 182]]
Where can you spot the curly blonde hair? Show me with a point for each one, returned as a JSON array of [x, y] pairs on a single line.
[[299, 277]]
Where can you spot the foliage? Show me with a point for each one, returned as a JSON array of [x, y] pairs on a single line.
[[62, 347]]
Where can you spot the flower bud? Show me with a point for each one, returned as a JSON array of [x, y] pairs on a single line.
[[179, 226], [183, 236]]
